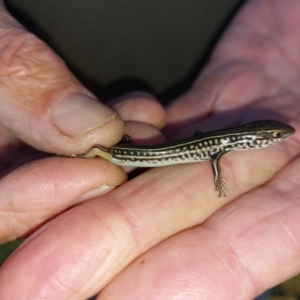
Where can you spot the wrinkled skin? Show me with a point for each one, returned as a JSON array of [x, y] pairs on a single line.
[[164, 234]]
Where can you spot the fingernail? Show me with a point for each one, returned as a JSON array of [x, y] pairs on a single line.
[[78, 113], [101, 190]]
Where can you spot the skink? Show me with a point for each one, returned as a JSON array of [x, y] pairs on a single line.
[[200, 147]]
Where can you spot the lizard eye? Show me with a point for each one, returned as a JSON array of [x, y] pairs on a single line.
[[277, 134]]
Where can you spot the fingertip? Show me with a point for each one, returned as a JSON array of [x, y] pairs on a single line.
[[85, 121], [140, 107], [143, 134]]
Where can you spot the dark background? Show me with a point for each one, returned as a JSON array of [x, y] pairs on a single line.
[[118, 46]]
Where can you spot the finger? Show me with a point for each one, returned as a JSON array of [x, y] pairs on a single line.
[[35, 192], [143, 116], [41, 101], [143, 134], [120, 226], [140, 107], [241, 247]]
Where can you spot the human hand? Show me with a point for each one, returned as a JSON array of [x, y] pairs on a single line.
[[233, 253], [250, 244], [43, 105]]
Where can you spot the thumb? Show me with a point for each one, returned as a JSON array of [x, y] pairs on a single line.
[[42, 103]]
